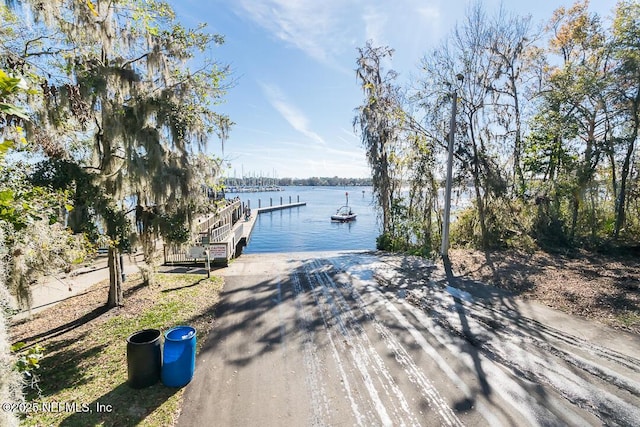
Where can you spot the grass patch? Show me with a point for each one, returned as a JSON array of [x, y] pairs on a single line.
[[83, 376], [629, 319]]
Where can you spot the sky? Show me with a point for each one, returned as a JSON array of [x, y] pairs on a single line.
[[293, 65]]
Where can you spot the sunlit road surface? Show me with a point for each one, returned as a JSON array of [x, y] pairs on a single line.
[[362, 339]]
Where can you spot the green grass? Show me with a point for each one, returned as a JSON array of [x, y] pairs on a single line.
[[628, 319], [87, 366]]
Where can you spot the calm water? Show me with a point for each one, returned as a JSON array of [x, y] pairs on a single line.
[[309, 228]]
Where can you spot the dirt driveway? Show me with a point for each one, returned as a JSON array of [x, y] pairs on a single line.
[[365, 339]]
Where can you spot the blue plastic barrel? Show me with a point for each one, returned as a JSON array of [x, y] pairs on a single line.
[[179, 356]]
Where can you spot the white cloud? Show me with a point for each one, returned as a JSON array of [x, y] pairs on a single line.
[[290, 112], [329, 30], [429, 13], [308, 25], [374, 24]]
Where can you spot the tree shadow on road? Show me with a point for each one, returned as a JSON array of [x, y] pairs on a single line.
[[466, 332], [501, 312], [336, 295]]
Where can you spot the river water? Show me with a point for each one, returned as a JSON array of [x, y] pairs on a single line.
[[309, 228]]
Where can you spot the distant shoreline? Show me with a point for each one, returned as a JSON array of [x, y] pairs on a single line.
[[298, 182], [274, 188]]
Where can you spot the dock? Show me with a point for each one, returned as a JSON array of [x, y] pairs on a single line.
[[221, 236], [280, 207]]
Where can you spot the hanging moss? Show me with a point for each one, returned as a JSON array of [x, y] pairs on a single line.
[[125, 82], [10, 381]]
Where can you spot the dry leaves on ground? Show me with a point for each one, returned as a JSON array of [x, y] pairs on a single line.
[[596, 286]]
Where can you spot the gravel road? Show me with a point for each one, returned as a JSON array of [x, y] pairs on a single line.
[[370, 339]]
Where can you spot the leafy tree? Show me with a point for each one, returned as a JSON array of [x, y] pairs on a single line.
[[576, 92], [379, 120], [482, 62], [546, 137], [548, 163], [514, 55], [10, 384], [625, 46], [31, 239], [128, 78]]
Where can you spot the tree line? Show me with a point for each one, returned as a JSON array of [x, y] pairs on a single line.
[[546, 131], [334, 181], [311, 182]]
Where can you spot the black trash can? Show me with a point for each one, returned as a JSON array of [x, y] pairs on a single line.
[[144, 358]]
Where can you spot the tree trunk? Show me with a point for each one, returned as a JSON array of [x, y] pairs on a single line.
[[484, 233], [116, 297], [626, 168], [148, 240], [477, 183], [385, 192], [575, 206], [586, 170], [517, 147], [622, 196]]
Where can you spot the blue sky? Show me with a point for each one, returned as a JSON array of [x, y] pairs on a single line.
[[294, 63]]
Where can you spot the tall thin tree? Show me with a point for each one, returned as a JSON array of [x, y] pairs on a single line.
[[378, 119]]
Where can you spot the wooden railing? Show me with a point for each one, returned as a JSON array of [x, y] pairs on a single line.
[[176, 253], [207, 223], [216, 227], [225, 216], [233, 209], [219, 234]]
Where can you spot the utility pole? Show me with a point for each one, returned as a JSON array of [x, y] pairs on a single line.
[[444, 249]]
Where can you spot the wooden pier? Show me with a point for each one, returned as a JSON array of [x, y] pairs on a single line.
[[221, 235], [280, 207]]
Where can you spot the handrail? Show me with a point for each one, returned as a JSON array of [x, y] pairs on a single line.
[[220, 233], [224, 215], [234, 205]]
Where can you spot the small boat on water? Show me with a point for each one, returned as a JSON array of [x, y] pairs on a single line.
[[344, 213]]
